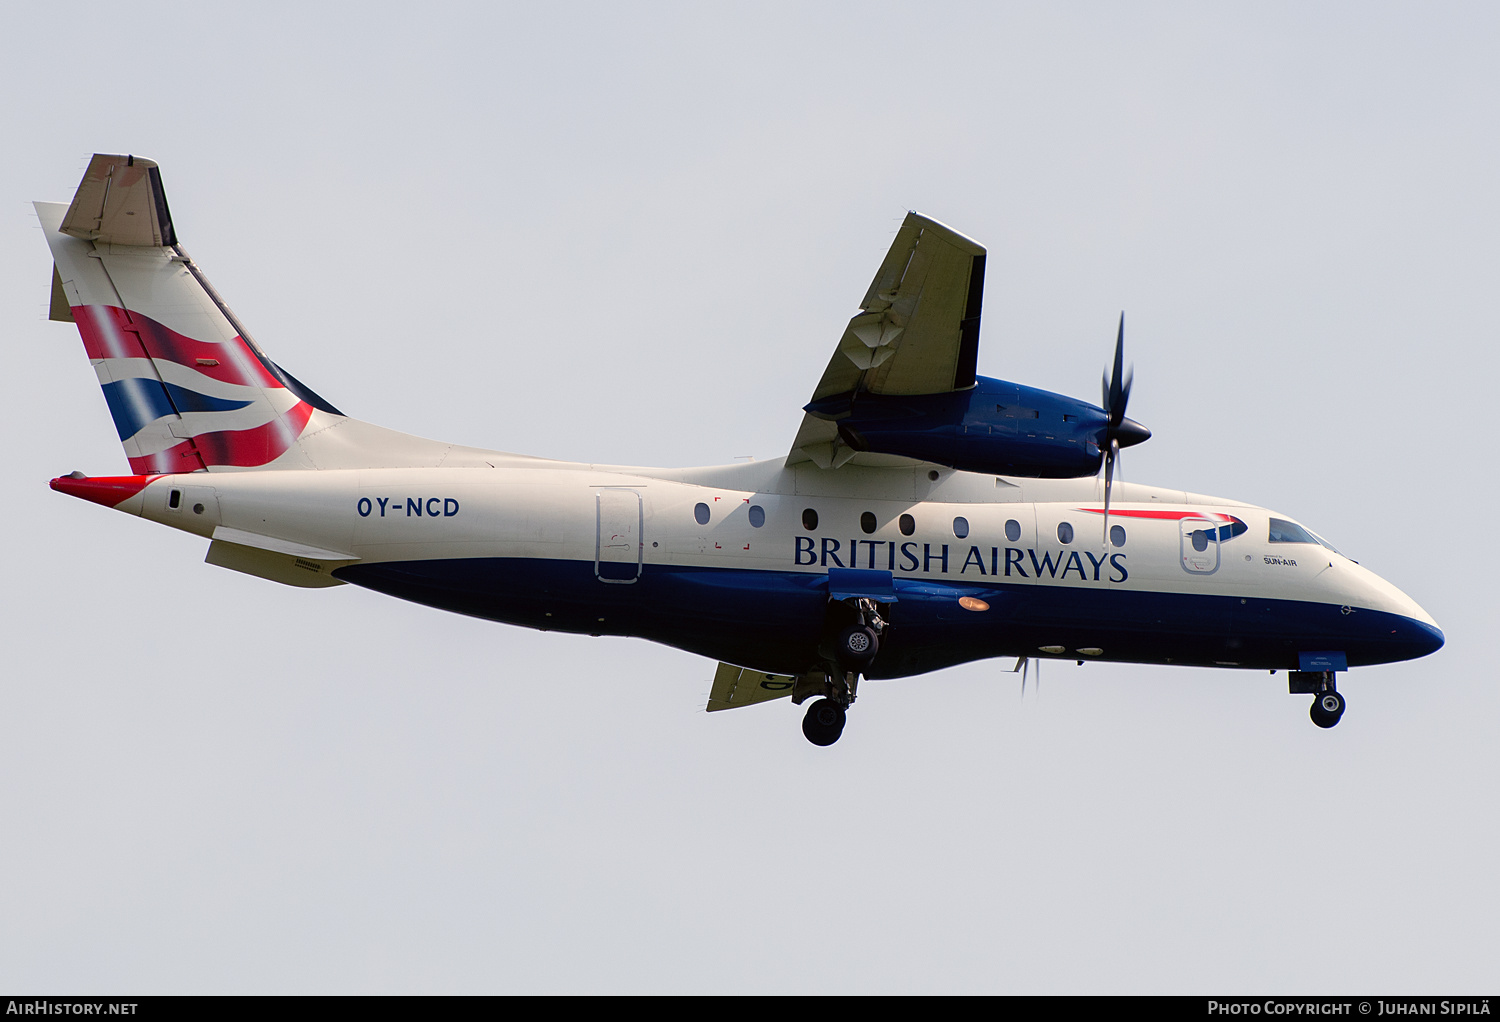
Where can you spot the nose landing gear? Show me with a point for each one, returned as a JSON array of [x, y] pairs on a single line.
[[1327, 706], [1326, 709]]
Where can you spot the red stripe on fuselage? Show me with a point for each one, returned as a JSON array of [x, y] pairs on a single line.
[[1169, 515]]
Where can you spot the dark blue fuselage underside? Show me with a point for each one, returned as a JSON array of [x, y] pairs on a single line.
[[774, 621]]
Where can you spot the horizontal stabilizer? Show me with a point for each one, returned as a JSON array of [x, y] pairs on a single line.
[[304, 572], [740, 686], [280, 546], [120, 202]]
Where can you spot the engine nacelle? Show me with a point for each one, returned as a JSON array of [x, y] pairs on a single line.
[[994, 427]]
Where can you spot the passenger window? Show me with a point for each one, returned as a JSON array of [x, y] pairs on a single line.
[[867, 522], [700, 514], [961, 528], [1283, 531], [1200, 540], [1117, 535], [1012, 530], [809, 519], [757, 516], [1065, 532], [908, 525]]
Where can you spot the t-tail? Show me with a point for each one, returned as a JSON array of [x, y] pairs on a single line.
[[188, 388]]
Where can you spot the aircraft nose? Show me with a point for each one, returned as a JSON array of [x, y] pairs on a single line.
[[1422, 638]]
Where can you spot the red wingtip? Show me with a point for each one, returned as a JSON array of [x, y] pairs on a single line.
[[111, 491]]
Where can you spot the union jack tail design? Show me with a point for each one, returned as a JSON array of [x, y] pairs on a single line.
[[187, 387]]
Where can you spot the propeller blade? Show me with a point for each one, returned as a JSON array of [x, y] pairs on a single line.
[[1020, 668], [1118, 389], [1110, 456]]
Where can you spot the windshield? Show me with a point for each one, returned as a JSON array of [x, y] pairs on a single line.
[[1325, 542], [1283, 531]]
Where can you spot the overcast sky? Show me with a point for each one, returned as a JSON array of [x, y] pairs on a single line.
[[632, 234]]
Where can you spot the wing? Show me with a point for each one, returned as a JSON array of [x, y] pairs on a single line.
[[917, 333]]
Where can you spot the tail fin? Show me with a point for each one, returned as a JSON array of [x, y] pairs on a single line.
[[187, 387]]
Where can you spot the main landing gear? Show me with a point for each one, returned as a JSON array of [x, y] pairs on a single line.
[[853, 629], [825, 717], [1327, 706], [824, 722]]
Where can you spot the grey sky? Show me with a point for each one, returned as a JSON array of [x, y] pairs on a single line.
[[633, 234]]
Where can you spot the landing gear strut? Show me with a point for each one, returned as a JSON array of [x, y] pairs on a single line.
[[852, 632]]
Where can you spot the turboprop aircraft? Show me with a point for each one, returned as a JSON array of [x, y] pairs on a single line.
[[924, 515]]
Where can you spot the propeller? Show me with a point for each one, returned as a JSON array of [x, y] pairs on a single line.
[[1118, 430]]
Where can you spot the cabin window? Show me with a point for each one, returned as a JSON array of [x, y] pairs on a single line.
[[1200, 540], [961, 528], [867, 522], [1012, 530], [1117, 535], [1065, 532], [700, 514], [809, 519], [1283, 531], [757, 516], [908, 525]]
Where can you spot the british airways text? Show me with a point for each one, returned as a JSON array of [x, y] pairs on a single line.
[[1008, 562]]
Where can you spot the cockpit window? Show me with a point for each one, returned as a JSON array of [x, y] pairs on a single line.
[[1325, 542], [1283, 531]]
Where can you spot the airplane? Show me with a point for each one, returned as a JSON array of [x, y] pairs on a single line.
[[924, 516]]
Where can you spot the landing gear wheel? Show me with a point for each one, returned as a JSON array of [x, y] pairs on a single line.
[[824, 722], [1327, 709], [857, 646]]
